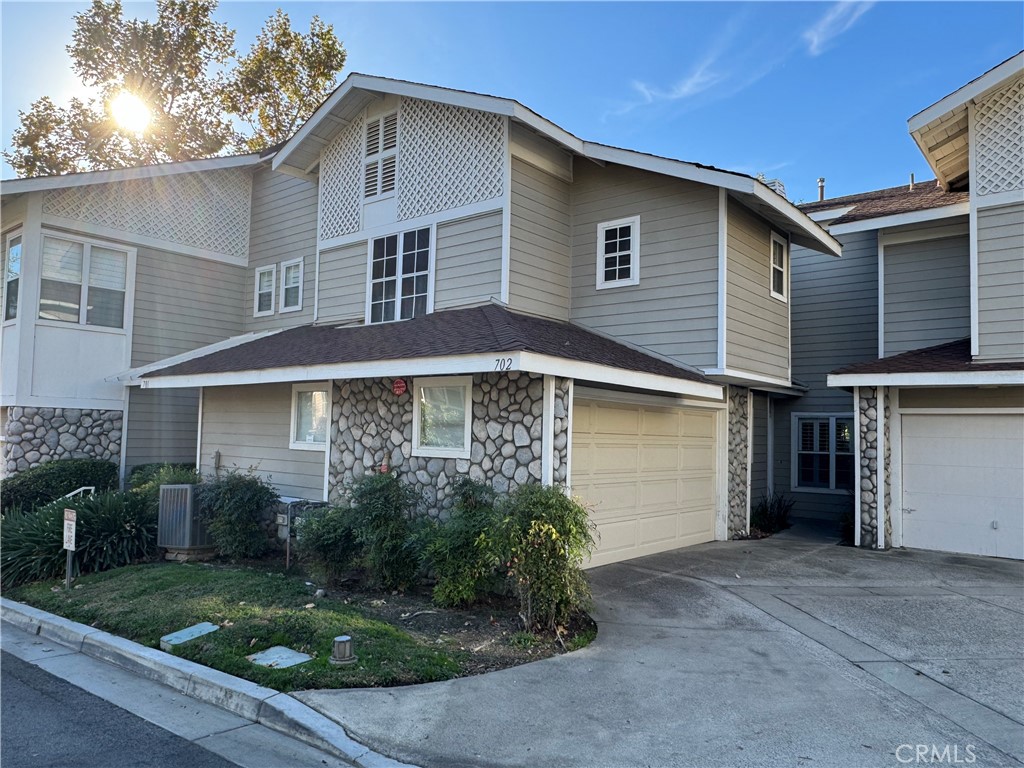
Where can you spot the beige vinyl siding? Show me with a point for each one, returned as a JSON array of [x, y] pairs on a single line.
[[673, 311], [249, 426], [539, 243], [927, 293], [468, 261], [759, 449], [962, 397], [162, 426], [283, 228], [343, 283], [1001, 282], [835, 323], [757, 325]]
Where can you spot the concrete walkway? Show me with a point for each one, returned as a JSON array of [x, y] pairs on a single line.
[[787, 651]]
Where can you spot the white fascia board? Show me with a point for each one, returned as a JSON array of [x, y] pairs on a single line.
[[798, 217], [45, 183], [831, 213], [969, 92], [668, 167], [315, 119], [901, 219], [958, 379], [756, 380], [131, 376]]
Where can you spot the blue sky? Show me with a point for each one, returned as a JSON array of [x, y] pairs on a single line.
[[794, 90]]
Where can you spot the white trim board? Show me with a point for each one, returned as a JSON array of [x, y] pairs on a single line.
[[184, 357], [901, 219], [973, 90], [723, 274], [958, 379], [1010, 197]]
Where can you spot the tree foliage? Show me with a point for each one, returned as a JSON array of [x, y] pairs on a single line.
[[184, 67]]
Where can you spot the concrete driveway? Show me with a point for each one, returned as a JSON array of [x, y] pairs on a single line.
[[787, 651]]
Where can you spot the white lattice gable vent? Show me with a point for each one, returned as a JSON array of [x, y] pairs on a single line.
[[999, 141], [207, 211], [448, 157], [341, 191]]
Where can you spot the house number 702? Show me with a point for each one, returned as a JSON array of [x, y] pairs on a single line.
[[503, 363]]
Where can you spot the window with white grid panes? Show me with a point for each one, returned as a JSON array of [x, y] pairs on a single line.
[[618, 253], [400, 276]]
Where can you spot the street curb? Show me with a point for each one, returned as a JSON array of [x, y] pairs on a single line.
[[275, 710]]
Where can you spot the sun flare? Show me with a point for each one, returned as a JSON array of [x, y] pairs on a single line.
[[130, 112]]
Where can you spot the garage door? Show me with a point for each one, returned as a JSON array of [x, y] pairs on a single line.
[[963, 483], [648, 473]]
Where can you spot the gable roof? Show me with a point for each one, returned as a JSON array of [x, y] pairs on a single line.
[[300, 155], [483, 330], [892, 201]]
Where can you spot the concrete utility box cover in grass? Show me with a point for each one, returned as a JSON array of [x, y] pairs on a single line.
[[279, 657], [167, 642]]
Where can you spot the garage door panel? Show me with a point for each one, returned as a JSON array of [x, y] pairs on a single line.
[[699, 457], [617, 421], [660, 423], [699, 424], [660, 458], [966, 451], [653, 530], [617, 536], [616, 458]]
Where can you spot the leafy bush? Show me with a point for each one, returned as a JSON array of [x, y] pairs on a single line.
[[382, 506], [457, 552], [231, 506], [113, 529], [147, 484], [143, 474], [771, 514], [41, 485], [326, 539], [541, 541]]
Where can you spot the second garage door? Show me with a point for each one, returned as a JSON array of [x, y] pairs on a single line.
[[648, 474]]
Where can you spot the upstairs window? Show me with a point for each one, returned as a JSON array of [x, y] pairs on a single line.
[[291, 285], [12, 276], [381, 156], [263, 291], [780, 267], [400, 276], [618, 253], [66, 297], [824, 453]]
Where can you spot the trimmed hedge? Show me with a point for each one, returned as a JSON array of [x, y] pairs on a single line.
[[143, 474], [47, 482]]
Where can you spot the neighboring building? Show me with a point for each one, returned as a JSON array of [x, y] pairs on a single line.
[[570, 313], [912, 344]]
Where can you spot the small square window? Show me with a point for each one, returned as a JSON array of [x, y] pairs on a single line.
[[442, 416], [311, 409], [618, 253]]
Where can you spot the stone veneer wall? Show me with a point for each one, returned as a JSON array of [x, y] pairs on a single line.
[[887, 468], [370, 424], [868, 422], [739, 413], [34, 436]]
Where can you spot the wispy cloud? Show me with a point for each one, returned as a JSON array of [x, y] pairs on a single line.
[[839, 18]]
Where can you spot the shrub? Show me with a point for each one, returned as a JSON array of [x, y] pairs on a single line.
[[113, 529], [147, 484], [326, 539], [143, 474], [41, 485], [457, 552], [382, 506], [541, 541], [771, 514], [232, 506]]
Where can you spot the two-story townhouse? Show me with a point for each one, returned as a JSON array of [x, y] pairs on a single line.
[[446, 283], [912, 345]]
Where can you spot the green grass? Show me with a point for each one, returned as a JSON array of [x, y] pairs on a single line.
[[256, 610]]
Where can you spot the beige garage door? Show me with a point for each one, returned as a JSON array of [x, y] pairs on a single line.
[[648, 473]]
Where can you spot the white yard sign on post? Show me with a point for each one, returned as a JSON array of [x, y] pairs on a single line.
[[70, 519]]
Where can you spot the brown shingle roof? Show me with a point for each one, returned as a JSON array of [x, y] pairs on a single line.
[[476, 330], [952, 357], [888, 202]]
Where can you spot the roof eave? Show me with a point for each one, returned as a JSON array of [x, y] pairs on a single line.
[[927, 379], [972, 90]]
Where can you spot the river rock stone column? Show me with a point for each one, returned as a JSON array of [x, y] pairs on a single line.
[[887, 468], [868, 425], [739, 413], [560, 451], [370, 424], [35, 436]]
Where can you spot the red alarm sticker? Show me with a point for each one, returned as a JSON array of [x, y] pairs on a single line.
[[399, 387]]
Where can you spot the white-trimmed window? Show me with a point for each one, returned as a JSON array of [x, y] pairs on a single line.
[[618, 253], [82, 282], [291, 285], [12, 275], [381, 156], [311, 409], [823, 458], [264, 289], [780, 267], [442, 415], [399, 276]]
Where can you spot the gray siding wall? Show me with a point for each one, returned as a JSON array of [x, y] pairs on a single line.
[[757, 325], [927, 293], [1001, 282], [674, 309], [539, 242], [759, 450], [249, 426], [343, 283], [283, 228], [835, 323], [181, 303], [468, 266]]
